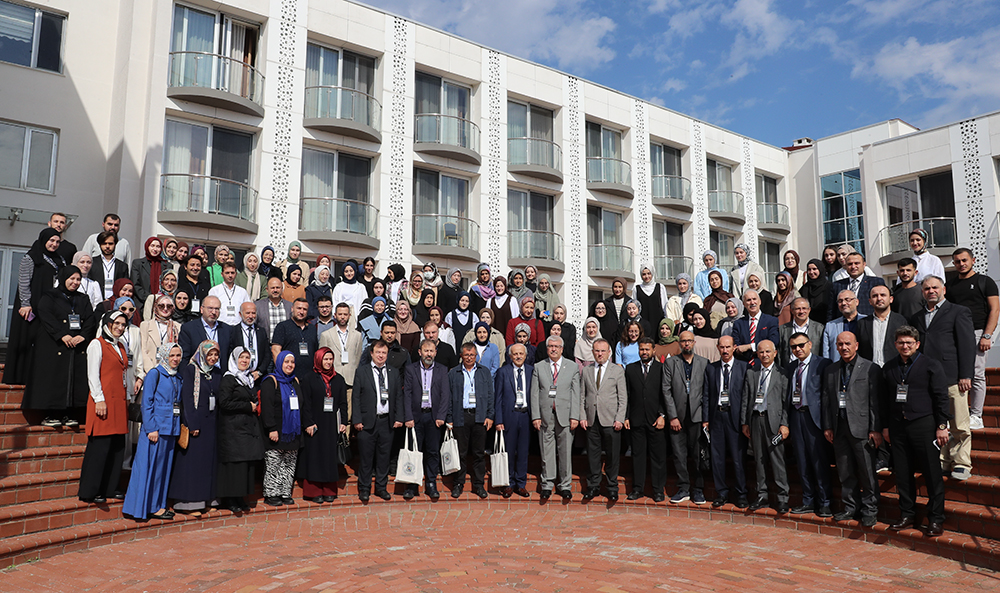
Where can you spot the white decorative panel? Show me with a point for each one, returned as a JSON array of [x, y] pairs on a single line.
[[749, 190], [974, 219], [496, 180], [399, 66], [700, 190], [576, 207], [642, 202]]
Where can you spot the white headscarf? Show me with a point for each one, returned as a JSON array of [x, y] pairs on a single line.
[[242, 377]]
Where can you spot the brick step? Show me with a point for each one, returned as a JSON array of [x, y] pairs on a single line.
[[991, 417], [26, 437], [970, 519], [986, 463], [24, 488], [45, 515], [41, 459], [981, 490], [986, 439], [11, 394], [11, 413]]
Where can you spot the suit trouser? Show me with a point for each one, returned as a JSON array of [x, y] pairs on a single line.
[[429, 443], [687, 448], [958, 451], [373, 445], [977, 395], [471, 435], [856, 470], [912, 450], [651, 441], [812, 454], [516, 433], [727, 440], [556, 440], [760, 439], [607, 439], [102, 466]]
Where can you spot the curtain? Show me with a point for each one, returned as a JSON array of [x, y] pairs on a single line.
[[352, 184], [317, 182], [428, 94], [11, 154], [517, 127], [194, 31], [456, 104], [17, 25], [185, 151]]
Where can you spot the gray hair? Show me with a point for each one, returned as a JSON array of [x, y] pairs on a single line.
[[553, 340], [931, 277]]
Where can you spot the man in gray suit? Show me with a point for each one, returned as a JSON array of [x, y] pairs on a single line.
[[555, 413], [765, 422], [683, 384], [604, 403], [273, 309], [850, 422], [800, 323]]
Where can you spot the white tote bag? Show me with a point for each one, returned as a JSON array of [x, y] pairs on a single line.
[[450, 461], [410, 467], [499, 470]]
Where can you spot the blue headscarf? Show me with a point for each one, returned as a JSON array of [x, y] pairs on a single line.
[[291, 424]]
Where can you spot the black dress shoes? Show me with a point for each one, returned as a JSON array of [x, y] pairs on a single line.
[[934, 529], [546, 494], [824, 511], [718, 502], [363, 495], [409, 493], [801, 510], [659, 497], [612, 497], [316, 499], [383, 494], [566, 495], [742, 502], [589, 494], [758, 504], [783, 508], [843, 516], [868, 521], [904, 523], [480, 492], [118, 495], [288, 500], [507, 492], [634, 495], [274, 501], [330, 498], [457, 491], [523, 492], [432, 491]]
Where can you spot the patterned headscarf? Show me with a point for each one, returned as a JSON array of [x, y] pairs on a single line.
[[163, 354], [200, 362], [242, 377]]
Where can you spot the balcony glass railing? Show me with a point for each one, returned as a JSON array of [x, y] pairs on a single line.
[[726, 202], [771, 213], [334, 102], [607, 170], [895, 238], [211, 195], [534, 245], [671, 187], [667, 267], [534, 151], [610, 257], [335, 215], [446, 129], [214, 71], [447, 231]]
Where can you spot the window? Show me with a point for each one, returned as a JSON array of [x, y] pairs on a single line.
[[529, 128], [206, 169], [607, 251], [843, 216], [441, 209], [770, 260], [199, 38], [930, 196], [30, 37], [723, 244], [449, 104], [668, 250], [604, 155], [720, 176], [529, 220], [331, 76], [665, 160], [10, 259], [335, 193], [27, 157], [767, 190]]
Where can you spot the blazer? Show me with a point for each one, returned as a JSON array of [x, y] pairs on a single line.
[[355, 342], [149, 338], [863, 391], [159, 394], [646, 398], [775, 398], [865, 331], [767, 329], [365, 396], [485, 398], [683, 403], [505, 390], [413, 391], [927, 391], [710, 411], [950, 339], [864, 307], [567, 398], [610, 402], [262, 347], [97, 271], [264, 318], [814, 330], [812, 388], [833, 329], [753, 268], [141, 269], [193, 333]]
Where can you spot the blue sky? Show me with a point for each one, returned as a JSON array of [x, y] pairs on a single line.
[[774, 71]]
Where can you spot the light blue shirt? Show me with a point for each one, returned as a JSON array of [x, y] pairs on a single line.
[[470, 389], [701, 286]]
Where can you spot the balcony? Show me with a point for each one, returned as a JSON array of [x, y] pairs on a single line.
[[893, 241], [543, 249], [610, 261], [726, 205], [773, 217], [345, 111], [438, 235], [217, 81], [338, 222], [672, 191], [204, 201], [535, 157], [610, 176], [447, 136], [667, 267]]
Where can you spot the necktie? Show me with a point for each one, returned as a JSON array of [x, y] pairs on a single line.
[[855, 284], [645, 369], [798, 382], [383, 391], [520, 379], [599, 367], [753, 329], [725, 376]]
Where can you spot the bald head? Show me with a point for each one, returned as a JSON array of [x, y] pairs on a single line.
[[726, 347], [847, 346], [765, 352]]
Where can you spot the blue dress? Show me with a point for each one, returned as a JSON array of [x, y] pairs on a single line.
[[147, 488]]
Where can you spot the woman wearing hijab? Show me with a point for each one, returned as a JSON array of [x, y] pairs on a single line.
[[791, 261], [462, 319], [251, 279], [584, 350], [371, 325], [88, 286], [685, 325], [368, 275], [568, 334], [755, 282], [522, 335], [293, 261], [531, 278], [219, 256], [146, 271], [816, 289], [517, 289], [734, 311], [784, 296], [607, 321], [667, 344], [421, 312], [743, 269], [482, 291], [651, 296], [280, 415], [445, 333], [239, 442], [182, 307], [161, 423], [123, 287], [160, 328], [324, 410], [715, 302], [320, 286], [378, 289], [294, 288], [685, 294], [487, 353], [395, 282], [107, 413], [705, 338], [267, 268], [627, 349], [57, 382], [447, 295], [414, 289], [546, 298], [632, 311], [504, 306], [322, 260], [432, 279], [135, 370], [407, 332], [192, 486], [928, 264], [168, 287], [831, 263], [702, 288], [485, 316]]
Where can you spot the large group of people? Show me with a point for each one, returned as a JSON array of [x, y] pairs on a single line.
[[190, 371]]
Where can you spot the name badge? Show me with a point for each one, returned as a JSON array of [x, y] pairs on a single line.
[[724, 398], [211, 403], [177, 409], [552, 392], [842, 400], [425, 397], [760, 397], [74, 321], [687, 385], [231, 310], [303, 349], [384, 396], [797, 397], [327, 404], [195, 305], [293, 402], [344, 357], [472, 398], [901, 394]]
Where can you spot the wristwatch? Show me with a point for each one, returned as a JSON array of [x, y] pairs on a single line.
[[987, 336], [942, 427]]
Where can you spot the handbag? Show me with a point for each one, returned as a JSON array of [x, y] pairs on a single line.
[[499, 469], [183, 437], [451, 462], [410, 467], [134, 408], [343, 445]]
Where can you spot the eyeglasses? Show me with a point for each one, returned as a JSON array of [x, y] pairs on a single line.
[[797, 346], [164, 306]]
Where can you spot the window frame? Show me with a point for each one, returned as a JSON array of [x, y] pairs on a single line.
[[726, 258], [467, 214], [36, 30], [761, 186], [336, 174], [528, 196], [857, 243], [29, 131]]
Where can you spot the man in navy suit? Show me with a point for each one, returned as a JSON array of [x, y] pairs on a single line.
[[646, 419], [426, 403], [754, 328], [722, 401], [857, 282], [377, 409], [513, 410], [471, 416], [207, 327], [805, 393]]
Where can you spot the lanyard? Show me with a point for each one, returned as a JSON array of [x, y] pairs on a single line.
[[343, 339], [229, 296], [909, 367], [763, 378], [249, 333], [426, 375]]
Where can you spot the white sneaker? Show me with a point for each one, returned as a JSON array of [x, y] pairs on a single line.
[[976, 422]]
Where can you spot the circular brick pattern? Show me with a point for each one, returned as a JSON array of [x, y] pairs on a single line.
[[469, 547]]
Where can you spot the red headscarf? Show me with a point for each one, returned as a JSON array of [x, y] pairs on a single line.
[[116, 291], [318, 367], [155, 268]]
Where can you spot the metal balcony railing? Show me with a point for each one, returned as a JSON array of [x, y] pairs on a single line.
[[181, 192], [213, 71], [336, 215], [336, 102]]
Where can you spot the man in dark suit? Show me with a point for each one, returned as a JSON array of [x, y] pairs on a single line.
[[805, 421], [207, 327], [471, 417], [426, 403], [603, 417], [857, 282], [251, 336], [683, 387], [107, 268], [273, 309], [721, 404], [877, 346], [512, 387], [753, 328], [948, 336], [445, 352], [800, 323], [646, 419], [376, 410], [765, 422], [850, 422]]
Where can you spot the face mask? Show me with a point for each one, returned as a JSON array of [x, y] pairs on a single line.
[[428, 276]]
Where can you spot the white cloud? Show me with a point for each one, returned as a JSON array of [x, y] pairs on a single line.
[[673, 85], [882, 12], [761, 32]]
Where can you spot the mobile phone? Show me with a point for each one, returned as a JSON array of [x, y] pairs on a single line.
[[936, 445]]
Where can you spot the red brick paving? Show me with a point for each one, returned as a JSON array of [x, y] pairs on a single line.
[[573, 548]]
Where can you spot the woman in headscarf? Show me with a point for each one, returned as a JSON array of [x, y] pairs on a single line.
[[715, 302], [667, 344], [462, 319], [378, 289], [170, 246], [791, 261], [293, 261], [685, 294], [584, 350], [251, 279], [122, 287], [107, 413], [161, 423], [928, 264], [432, 279], [407, 332], [482, 290], [294, 288], [504, 306], [146, 271], [702, 288], [685, 325], [324, 410], [239, 442], [192, 486], [559, 314], [280, 415], [219, 257], [168, 287], [395, 282], [607, 321], [368, 275], [743, 269], [531, 278], [485, 316], [447, 295], [517, 289], [159, 328], [783, 298], [320, 286], [422, 310], [182, 307], [705, 338], [445, 333], [487, 353], [414, 289], [734, 311], [267, 267], [371, 325], [88, 286], [651, 295], [816, 289], [57, 381], [632, 311], [756, 282], [831, 263], [522, 335], [546, 298], [627, 349], [322, 260], [131, 339], [36, 274]]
